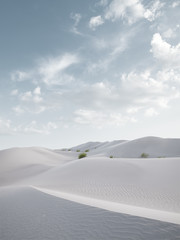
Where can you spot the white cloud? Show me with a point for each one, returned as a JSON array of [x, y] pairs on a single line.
[[169, 33], [27, 96], [5, 126], [114, 46], [133, 110], [100, 119], [14, 92], [154, 11], [52, 70], [32, 96], [34, 128], [102, 3], [18, 109], [130, 10], [142, 82], [77, 18], [20, 76], [95, 22], [150, 112], [165, 52], [37, 91], [175, 4]]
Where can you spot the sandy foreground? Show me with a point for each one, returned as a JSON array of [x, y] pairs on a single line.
[[51, 194]]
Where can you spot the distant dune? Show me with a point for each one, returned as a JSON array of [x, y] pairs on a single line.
[[127, 193], [153, 146]]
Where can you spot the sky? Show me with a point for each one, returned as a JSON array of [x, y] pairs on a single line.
[[93, 70]]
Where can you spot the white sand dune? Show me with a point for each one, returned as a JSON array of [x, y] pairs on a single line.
[[134, 182], [16, 164], [97, 147], [153, 146], [30, 214], [146, 188]]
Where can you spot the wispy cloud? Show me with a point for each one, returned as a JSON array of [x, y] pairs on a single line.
[[128, 10], [175, 4], [150, 112], [95, 22], [30, 96], [154, 11], [34, 128], [100, 119], [20, 76], [52, 70], [77, 18], [14, 92], [5, 126]]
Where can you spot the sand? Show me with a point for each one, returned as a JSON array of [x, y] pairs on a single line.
[[51, 194]]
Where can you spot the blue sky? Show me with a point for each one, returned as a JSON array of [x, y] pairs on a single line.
[[94, 70]]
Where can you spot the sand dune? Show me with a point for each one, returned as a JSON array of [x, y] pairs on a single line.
[[129, 182], [141, 187], [17, 164], [30, 214], [97, 147], [153, 146]]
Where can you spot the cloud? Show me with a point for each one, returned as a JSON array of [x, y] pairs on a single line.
[[151, 91], [102, 3], [14, 92], [114, 46], [128, 10], [116, 103], [77, 18], [31, 102], [5, 126], [175, 4], [165, 52], [150, 112], [18, 109], [37, 91], [34, 128], [154, 11], [169, 33], [20, 76], [34, 96], [100, 119], [95, 22], [52, 70]]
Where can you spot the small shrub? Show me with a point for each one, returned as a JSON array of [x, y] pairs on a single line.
[[111, 156], [82, 155], [77, 150], [144, 155], [87, 150], [69, 150]]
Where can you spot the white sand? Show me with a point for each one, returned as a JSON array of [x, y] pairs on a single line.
[[140, 187], [30, 214], [171, 217]]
